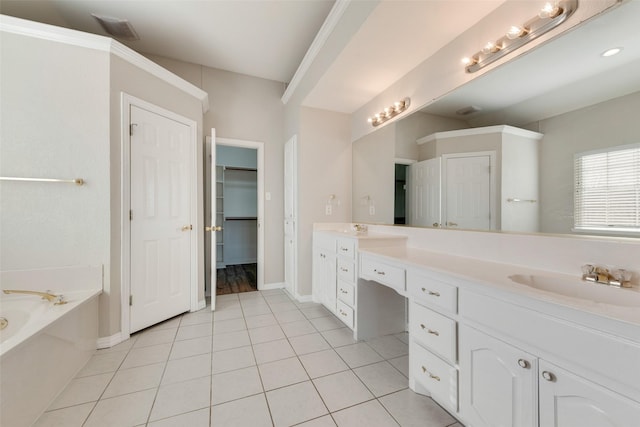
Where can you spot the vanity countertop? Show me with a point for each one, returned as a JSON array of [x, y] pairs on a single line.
[[362, 235], [491, 277]]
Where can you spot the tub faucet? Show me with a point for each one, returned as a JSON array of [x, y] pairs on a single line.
[[55, 299]]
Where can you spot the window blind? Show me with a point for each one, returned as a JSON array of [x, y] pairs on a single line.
[[607, 189]]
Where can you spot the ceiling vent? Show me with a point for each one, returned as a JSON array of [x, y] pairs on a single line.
[[468, 110], [116, 27]]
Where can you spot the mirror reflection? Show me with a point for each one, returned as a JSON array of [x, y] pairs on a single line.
[[499, 152]]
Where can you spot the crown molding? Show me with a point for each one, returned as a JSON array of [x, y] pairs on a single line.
[[506, 129], [325, 31], [70, 37]]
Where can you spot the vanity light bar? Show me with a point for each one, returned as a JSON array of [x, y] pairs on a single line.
[[390, 112], [550, 16]]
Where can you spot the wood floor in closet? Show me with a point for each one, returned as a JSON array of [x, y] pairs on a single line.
[[237, 278]]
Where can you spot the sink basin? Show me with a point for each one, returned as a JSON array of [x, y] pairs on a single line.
[[577, 288]]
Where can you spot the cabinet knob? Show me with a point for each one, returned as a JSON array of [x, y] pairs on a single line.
[[524, 363], [548, 376], [379, 272]]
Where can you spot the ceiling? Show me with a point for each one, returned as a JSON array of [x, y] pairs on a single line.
[[269, 38]]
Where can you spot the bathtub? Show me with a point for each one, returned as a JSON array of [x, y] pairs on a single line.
[[44, 345]]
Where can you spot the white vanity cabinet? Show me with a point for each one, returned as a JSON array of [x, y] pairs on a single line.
[[546, 375], [433, 337], [324, 275]]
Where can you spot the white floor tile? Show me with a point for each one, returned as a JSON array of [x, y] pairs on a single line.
[[289, 316], [127, 410], [256, 310], [146, 356], [282, 306], [230, 340], [277, 298], [102, 363], [327, 323], [323, 363], [359, 354], [148, 338], [193, 347], [265, 334], [272, 350], [342, 390], [325, 421], [123, 346], [282, 373], [389, 346], [411, 409], [231, 325], [187, 368], [251, 411], [73, 416], [134, 379], [339, 337], [261, 321], [232, 359], [82, 390], [295, 404], [234, 385], [194, 331], [227, 313], [368, 414], [381, 378], [401, 364], [178, 398], [311, 343], [199, 418], [315, 311], [196, 318], [301, 327]]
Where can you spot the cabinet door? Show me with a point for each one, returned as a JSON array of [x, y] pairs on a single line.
[[324, 277], [497, 382], [567, 400]]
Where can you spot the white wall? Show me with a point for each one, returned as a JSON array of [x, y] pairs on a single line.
[[607, 124], [324, 169], [54, 123], [248, 108]]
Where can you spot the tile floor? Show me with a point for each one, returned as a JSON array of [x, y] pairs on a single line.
[[262, 359]]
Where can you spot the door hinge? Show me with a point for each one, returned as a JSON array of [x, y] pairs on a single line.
[[130, 300], [131, 128], [130, 214]]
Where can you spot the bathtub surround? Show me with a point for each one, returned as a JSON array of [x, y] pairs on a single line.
[[54, 342]]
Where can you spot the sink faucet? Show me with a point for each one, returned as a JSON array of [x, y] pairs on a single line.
[[55, 299], [617, 277]]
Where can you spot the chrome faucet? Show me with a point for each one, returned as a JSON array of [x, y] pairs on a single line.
[[616, 277], [55, 299]]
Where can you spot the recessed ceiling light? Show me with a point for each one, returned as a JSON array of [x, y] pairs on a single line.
[[611, 52]]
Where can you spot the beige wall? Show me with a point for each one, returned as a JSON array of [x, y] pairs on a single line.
[[248, 108], [324, 168], [607, 124]]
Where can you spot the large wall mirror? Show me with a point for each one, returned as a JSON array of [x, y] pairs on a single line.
[[534, 115]]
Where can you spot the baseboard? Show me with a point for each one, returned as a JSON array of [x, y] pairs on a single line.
[[269, 286], [201, 304], [304, 298], [107, 342]]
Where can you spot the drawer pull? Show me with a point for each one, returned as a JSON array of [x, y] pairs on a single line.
[[432, 293], [343, 291], [345, 270], [524, 364], [434, 377], [431, 331], [344, 249], [379, 272], [342, 313]]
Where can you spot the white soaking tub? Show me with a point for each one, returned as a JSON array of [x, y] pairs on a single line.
[[44, 345]]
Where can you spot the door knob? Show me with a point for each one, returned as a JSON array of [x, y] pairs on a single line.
[[213, 228], [187, 227]]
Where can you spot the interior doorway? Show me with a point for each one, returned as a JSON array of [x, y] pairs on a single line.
[[234, 188]]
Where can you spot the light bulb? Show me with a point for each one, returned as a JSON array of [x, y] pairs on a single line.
[[466, 60], [370, 120], [515, 32], [549, 10], [488, 48]]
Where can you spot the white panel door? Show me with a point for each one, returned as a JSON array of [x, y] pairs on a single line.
[[567, 400], [467, 192], [161, 232], [211, 238], [290, 216], [424, 193]]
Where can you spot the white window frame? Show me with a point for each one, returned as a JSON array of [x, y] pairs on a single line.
[[607, 226]]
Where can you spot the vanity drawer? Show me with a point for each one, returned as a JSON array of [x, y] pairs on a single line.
[[383, 273], [435, 375], [427, 289], [345, 313], [346, 293], [346, 248], [346, 270], [434, 331]]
